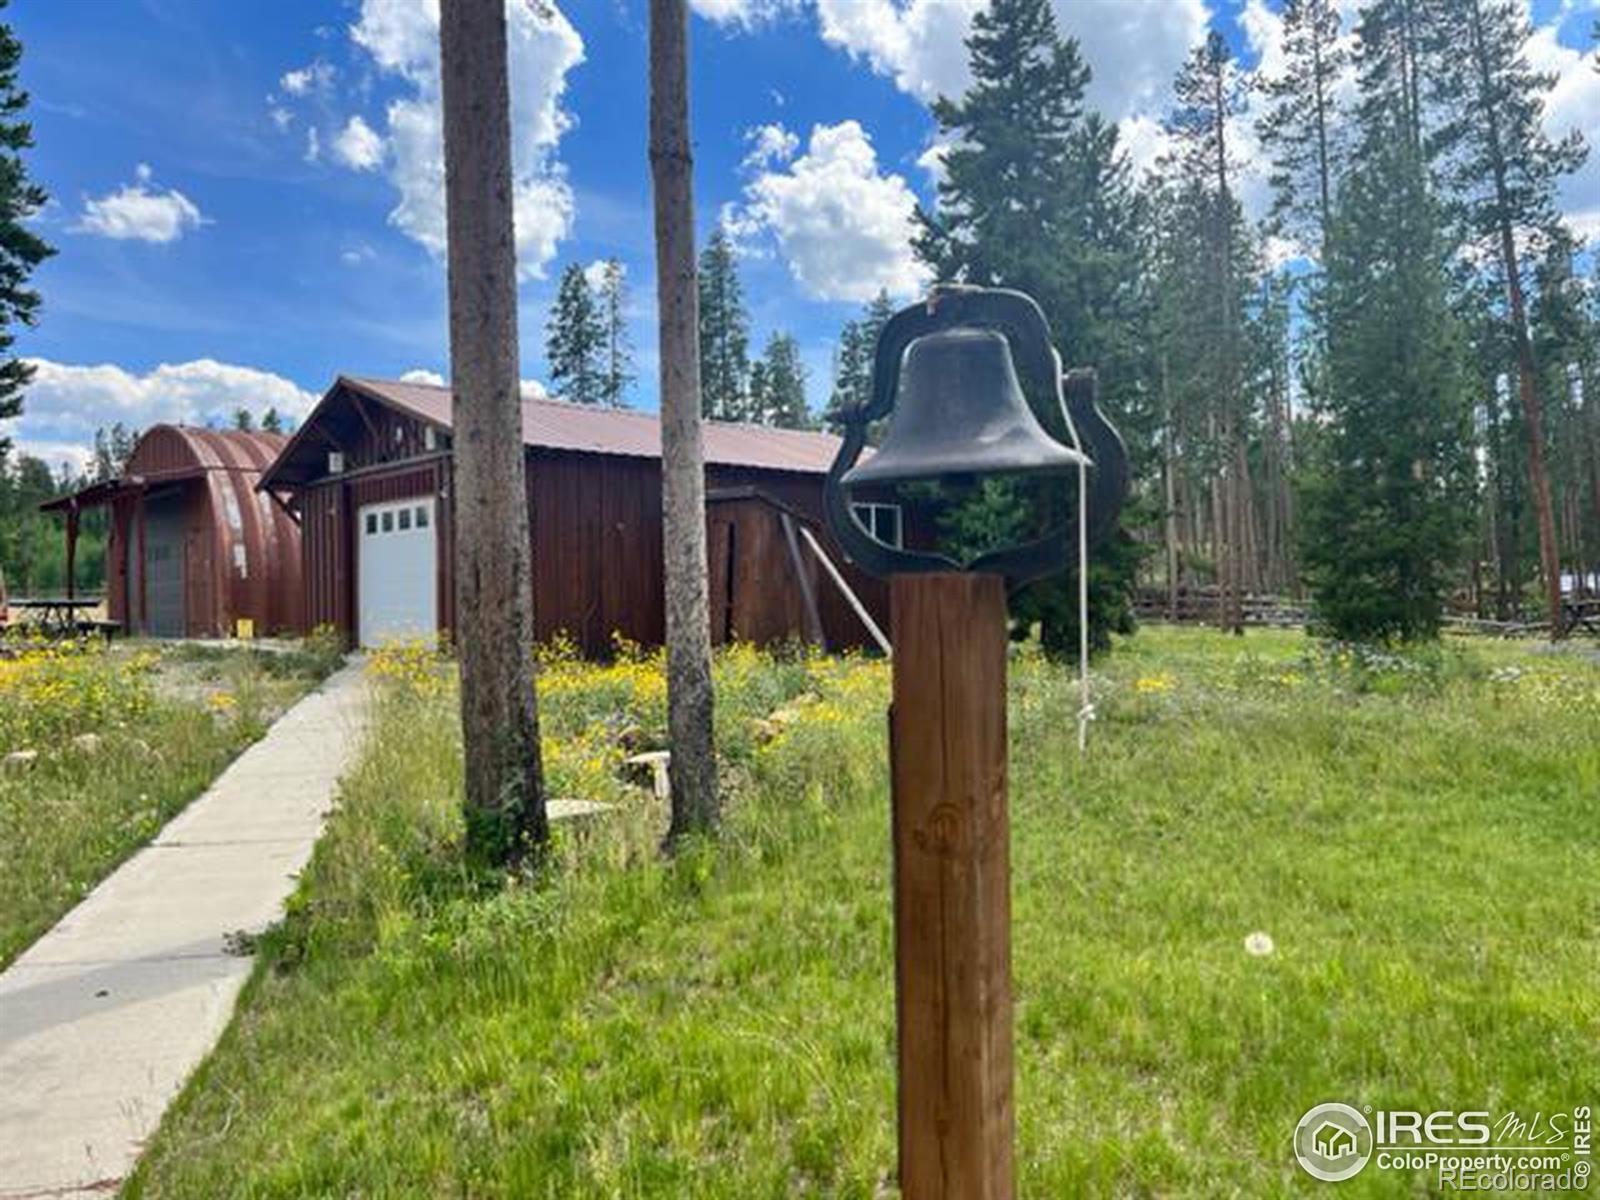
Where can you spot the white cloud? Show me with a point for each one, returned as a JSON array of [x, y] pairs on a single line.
[[740, 12], [357, 146], [529, 389], [1144, 140], [931, 160], [136, 211], [73, 456], [844, 229], [1134, 46], [313, 77], [1574, 103], [770, 144], [313, 145], [66, 403], [402, 37], [281, 117], [920, 44]]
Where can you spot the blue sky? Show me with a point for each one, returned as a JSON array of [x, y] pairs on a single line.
[[246, 202]]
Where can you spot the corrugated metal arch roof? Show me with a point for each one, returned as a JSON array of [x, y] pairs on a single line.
[[170, 449], [167, 453]]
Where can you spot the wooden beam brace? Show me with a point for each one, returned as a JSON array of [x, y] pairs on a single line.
[[808, 593], [288, 509], [850, 597]]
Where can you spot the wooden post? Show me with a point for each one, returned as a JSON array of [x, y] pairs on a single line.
[[144, 614], [952, 887], [808, 594], [72, 551]]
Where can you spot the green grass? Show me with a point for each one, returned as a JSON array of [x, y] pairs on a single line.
[[162, 723], [1416, 835]]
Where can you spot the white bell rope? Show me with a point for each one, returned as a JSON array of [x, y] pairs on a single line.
[[1086, 712]]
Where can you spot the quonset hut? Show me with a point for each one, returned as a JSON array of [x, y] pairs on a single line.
[[194, 547]]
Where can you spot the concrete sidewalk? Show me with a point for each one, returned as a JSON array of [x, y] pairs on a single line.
[[104, 1017]]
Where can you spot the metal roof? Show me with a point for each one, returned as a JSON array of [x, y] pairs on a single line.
[[583, 428], [171, 448], [168, 453]]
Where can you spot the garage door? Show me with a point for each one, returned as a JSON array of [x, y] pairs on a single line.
[[164, 567], [396, 550]]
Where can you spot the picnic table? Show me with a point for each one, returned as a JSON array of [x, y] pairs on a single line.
[[60, 617], [1581, 616]]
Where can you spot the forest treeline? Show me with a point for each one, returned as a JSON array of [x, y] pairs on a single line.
[[1376, 390], [590, 357]]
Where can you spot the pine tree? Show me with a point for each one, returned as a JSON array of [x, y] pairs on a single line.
[[1567, 346], [21, 250], [575, 341], [503, 792], [1014, 144], [852, 364], [1210, 95], [1037, 196], [1302, 127], [243, 420], [724, 333], [1397, 42], [272, 421], [112, 449], [1502, 170], [617, 370], [852, 372], [696, 804], [1386, 504], [778, 385]]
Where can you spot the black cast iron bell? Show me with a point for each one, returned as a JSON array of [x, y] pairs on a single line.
[[960, 412], [955, 372]]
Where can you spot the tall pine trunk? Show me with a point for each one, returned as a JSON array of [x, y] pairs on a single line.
[[504, 793], [695, 805], [1233, 500], [1169, 467], [1527, 384]]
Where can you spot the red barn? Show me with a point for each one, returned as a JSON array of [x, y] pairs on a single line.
[[368, 477]]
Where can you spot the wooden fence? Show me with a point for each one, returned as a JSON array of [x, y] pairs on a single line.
[[1203, 606]]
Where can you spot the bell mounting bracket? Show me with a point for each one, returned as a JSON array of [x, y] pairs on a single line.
[[1070, 405]]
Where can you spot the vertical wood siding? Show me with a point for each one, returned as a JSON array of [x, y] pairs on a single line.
[[595, 527]]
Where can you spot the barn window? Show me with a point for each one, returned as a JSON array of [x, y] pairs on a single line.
[[422, 516], [882, 521], [388, 521], [372, 522], [405, 519]]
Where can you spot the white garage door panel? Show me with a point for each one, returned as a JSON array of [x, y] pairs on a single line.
[[397, 554]]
